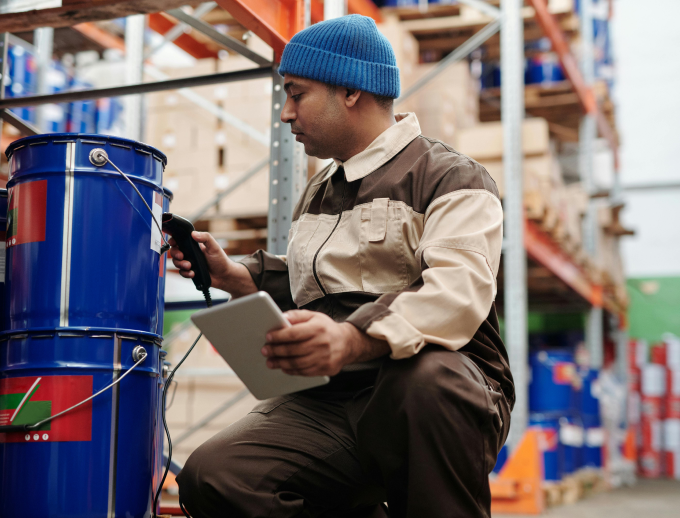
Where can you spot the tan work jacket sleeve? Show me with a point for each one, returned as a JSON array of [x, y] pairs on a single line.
[[460, 253]]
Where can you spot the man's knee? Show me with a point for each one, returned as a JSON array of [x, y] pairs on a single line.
[[432, 378], [212, 478]]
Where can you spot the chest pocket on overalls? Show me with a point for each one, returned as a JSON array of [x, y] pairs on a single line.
[[382, 248], [299, 257]]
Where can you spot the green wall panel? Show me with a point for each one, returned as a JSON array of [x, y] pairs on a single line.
[[654, 307]]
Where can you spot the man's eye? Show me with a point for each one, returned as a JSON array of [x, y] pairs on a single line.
[[296, 97]]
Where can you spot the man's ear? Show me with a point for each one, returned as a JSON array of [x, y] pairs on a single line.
[[352, 97]]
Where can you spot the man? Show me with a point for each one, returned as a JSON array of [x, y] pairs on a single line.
[[390, 280]]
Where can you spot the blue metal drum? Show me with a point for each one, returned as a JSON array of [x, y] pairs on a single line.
[[550, 445], [572, 442], [97, 461], [3, 228], [82, 248], [85, 286], [552, 374]]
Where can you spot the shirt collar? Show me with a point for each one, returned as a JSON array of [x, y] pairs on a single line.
[[381, 150]]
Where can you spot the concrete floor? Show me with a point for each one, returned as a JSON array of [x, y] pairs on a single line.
[[647, 499]]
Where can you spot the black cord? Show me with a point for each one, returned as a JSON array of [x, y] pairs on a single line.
[[181, 506], [208, 302], [166, 245]]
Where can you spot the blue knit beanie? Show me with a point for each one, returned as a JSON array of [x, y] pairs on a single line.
[[348, 51]]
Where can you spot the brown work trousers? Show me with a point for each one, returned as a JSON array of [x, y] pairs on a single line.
[[423, 439]]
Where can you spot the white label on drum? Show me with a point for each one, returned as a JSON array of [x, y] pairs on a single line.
[[157, 209]]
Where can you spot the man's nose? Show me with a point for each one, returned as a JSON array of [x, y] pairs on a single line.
[[288, 113]]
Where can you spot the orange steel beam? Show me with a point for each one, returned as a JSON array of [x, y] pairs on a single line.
[[100, 36], [159, 23], [365, 7], [585, 93], [545, 251], [317, 11], [275, 21]]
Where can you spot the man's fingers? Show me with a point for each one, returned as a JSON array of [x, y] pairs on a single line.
[[297, 363], [309, 371], [207, 242], [297, 316], [288, 350], [294, 333]]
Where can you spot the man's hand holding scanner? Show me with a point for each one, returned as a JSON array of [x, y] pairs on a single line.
[[226, 275], [316, 345]]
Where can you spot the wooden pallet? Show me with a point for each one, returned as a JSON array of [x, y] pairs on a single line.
[[574, 487], [555, 102]]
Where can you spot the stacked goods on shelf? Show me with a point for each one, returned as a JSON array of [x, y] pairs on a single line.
[[186, 134], [77, 117], [654, 406], [448, 103], [403, 43], [608, 258], [558, 207], [205, 154]]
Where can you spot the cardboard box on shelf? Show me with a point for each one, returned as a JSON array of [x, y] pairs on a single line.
[[485, 141], [171, 98], [405, 45], [448, 103], [539, 172]]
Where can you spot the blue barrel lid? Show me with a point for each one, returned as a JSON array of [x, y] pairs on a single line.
[[47, 137]]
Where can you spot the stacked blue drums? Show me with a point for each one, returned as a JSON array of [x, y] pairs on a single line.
[[589, 412], [563, 403], [85, 283]]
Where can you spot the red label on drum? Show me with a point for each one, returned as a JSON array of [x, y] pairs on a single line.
[[30, 400], [26, 213]]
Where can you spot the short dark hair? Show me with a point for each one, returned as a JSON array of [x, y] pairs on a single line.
[[385, 102]]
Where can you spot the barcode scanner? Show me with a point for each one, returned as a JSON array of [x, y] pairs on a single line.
[[180, 229]]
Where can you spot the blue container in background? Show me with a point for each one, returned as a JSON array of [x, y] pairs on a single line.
[[552, 375], [592, 448], [3, 258], [82, 114], [22, 79], [572, 438], [108, 112], [550, 444], [85, 286], [543, 69], [588, 401], [501, 459]]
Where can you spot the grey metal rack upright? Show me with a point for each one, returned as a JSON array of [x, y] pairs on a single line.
[[514, 253]]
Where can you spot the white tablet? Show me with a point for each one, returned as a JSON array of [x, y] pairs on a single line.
[[237, 329]]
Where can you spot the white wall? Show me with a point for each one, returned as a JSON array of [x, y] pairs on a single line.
[[647, 95]]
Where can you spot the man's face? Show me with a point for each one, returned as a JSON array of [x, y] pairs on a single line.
[[316, 115]]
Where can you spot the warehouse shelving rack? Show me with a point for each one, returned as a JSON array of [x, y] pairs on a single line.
[[275, 21]]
